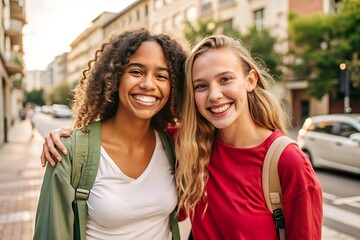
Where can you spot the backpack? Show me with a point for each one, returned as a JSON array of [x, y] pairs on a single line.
[[85, 165], [271, 182]]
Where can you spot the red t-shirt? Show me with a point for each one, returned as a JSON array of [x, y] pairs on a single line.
[[236, 206]]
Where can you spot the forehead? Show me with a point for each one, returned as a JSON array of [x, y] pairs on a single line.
[[215, 61], [150, 51]]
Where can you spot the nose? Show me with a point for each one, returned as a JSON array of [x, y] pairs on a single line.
[[147, 82], [215, 93]]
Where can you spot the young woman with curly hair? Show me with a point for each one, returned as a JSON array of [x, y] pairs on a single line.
[[229, 119], [131, 89]]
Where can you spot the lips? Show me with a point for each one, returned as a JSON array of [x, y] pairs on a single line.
[[220, 109], [144, 98]]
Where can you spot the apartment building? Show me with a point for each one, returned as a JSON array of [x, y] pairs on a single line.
[[34, 80], [55, 73], [159, 16], [134, 16], [168, 16], [12, 19], [83, 48]]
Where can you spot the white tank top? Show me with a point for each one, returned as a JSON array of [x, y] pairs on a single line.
[[120, 207]]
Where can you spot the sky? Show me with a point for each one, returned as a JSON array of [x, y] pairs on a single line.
[[53, 24]]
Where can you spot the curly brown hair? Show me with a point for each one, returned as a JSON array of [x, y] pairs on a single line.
[[96, 96]]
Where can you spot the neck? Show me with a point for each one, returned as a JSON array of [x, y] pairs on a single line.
[[243, 135], [118, 128]]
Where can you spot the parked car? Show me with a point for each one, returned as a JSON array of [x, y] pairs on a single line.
[[60, 111], [332, 141], [46, 109]]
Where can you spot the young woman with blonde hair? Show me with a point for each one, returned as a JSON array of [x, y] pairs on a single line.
[[229, 120]]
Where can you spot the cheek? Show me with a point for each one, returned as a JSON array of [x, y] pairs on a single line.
[[200, 99], [165, 89]]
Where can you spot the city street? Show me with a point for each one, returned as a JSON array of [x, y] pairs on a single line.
[[21, 176]]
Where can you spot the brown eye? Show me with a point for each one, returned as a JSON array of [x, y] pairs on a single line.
[[136, 72], [162, 77]]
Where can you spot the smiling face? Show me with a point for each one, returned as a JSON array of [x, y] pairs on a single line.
[[145, 85], [221, 87]]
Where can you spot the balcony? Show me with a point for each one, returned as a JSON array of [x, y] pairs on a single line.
[[226, 3], [14, 63], [14, 28], [206, 8], [17, 10]]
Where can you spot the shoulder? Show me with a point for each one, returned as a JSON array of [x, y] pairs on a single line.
[[295, 171]]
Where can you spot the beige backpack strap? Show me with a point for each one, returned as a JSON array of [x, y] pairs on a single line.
[[271, 182]]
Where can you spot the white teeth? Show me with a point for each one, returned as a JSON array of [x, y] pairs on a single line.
[[145, 99], [221, 109]]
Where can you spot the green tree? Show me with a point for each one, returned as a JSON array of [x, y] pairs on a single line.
[[194, 32], [61, 94], [321, 43], [35, 96], [260, 43]]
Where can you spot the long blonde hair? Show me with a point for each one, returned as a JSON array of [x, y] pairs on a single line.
[[195, 137]]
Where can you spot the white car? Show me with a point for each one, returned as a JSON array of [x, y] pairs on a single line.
[[60, 111], [332, 141]]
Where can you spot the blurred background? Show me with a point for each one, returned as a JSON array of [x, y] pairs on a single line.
[[310, 47]]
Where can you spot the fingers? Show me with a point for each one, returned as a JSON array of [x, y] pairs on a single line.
[[46, 156], [65, 131], [42, 158], [51, 142], [54, 139], [49, 149]]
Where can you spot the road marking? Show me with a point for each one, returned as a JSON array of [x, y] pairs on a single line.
[[342, 216], [23, 216], [352, 201], [22, 182]]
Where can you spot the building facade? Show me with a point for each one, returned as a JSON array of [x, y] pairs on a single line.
[[169, 16], [12, 19]]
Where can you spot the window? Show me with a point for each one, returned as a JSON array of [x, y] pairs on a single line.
[[138, 15], [225, 2], [346, 130], [228, 24], [158, 4], [167, 24], [177, 20], [191, 14], [259, 19], [324, 127], [205, 5]]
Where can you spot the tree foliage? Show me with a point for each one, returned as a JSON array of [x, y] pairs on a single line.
[[35, 96], [61, 94], [321, 43], [260, 43]]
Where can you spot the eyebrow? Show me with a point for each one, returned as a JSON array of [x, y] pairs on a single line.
[[144, 66], [216, 76]]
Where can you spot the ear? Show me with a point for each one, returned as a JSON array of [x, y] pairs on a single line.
[[251, 80]]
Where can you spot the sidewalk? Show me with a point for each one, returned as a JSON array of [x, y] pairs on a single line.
[[20, 181]]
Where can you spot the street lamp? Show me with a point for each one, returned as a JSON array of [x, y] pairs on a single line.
[[347, 108]]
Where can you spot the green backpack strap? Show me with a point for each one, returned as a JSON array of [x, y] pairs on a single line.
[[85, 166], [271, 183], [170, 153]]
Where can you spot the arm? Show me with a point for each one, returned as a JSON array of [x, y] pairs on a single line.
[[302, 196], [52, 140], [54, 216]]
